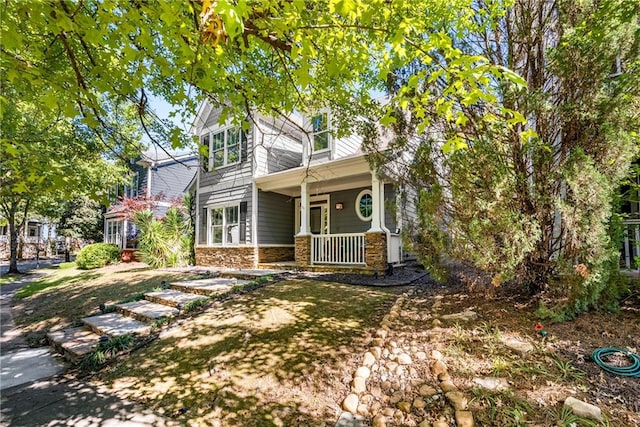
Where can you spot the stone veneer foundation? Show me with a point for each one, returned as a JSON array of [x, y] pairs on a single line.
[[229, 257], [268, 254], [375, 251], [303, 251]]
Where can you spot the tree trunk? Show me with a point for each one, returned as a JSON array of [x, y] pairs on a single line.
[[13, 242]]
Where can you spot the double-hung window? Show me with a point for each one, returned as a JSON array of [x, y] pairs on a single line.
[[320, 128], [225, 225], [224, 147]]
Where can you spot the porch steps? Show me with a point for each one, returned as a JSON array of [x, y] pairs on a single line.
[[73, 343], [208, 287], [135, 317], [115, 325], [172, 297], [145, 310]]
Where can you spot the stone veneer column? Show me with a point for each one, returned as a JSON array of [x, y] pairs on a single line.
[[303, 250], [375, 251]]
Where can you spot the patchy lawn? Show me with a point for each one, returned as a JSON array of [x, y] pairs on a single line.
[[63, 297], [281, 355]]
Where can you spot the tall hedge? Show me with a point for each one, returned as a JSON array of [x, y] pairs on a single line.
[[97, 255]]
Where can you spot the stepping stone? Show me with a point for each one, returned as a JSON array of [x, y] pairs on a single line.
[[115, 324], [249, 274], [147, 310], [350, 420], [74, 343], [172, 297], [207, 286]]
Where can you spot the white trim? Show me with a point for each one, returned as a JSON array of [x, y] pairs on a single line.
[[359, 197], [224, 129], [324, 200]]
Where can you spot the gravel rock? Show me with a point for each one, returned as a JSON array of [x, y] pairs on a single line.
[[376, 351], [427, 391], [363, 372], [379, 421], [492, 383], [464, 316], [404, 406], [421, 355], [583, 409], [419, 403], [448, 386], [457, 399], [438, 368], [404, 359], [396, 397], [464, 419], [350, 403], [517, 345], [369, 359], [359, 385]]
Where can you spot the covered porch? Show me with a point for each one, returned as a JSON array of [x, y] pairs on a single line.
[[340, 219]]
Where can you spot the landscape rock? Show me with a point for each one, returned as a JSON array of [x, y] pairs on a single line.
[[363, 409], [427, 390], [381, 333], [376, 391], [404, 406], [464, 419], [444, 376], [388, 412], [517, 345], [457, 399], [363, 372], [369, 359], [376, 351], [419, 403], [438, 368], [424, 423], [396, 397], [421, 355], [378, 342], [350, 403], [385, 385], [391, 366], [492, 383], [379, 421], [448, 386], [359, 385], [404, 359], [464, 316], [441, 424], [436, 355], [350, 420], [583, 409]]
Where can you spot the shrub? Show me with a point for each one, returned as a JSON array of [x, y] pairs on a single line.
[[97, 255]]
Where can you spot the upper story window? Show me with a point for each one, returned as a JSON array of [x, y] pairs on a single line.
[[223, 147], [320, 128]]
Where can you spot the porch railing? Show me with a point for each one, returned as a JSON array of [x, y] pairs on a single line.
[[345, 248], [631, 243], [395, 248]]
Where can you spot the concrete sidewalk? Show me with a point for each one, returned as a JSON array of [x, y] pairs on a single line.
[[64, 401], [33, 391]]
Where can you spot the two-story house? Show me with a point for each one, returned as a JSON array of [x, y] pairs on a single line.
[[291, 192], [155, 175]]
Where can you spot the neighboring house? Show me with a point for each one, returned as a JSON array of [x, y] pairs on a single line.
[[154, 175], [37, 237], [290, 192]]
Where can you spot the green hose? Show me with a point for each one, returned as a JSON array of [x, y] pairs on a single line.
[[632, 370]]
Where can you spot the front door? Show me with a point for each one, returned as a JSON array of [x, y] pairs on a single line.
[[318, 215], [318, 218]]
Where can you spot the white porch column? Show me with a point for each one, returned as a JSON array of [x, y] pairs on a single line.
[[377, 201], [304, 209]]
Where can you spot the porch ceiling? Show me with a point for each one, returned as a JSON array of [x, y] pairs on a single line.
[[341, 174]]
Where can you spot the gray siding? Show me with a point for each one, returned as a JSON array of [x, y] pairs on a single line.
[[224, 198], [275, 218], [347, 221], [171, 179], [346, 145], [390, 207], [277, 147]]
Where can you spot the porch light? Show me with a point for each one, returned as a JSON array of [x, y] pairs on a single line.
[[339, 206]]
